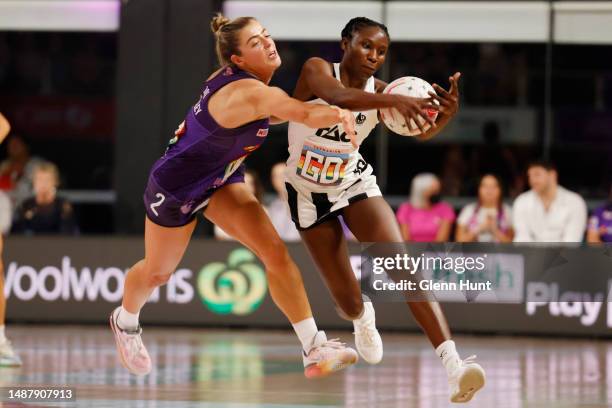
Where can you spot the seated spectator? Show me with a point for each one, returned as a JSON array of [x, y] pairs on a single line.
[[17, 169], [45, 213], [251, 179], [488, 219], [600, 223], [278, 210], [6, 213], [548, 212], [425, 218]]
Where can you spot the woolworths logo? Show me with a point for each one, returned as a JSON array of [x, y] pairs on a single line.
[[237, 287]]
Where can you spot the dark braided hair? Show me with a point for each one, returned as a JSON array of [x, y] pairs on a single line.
[[357, 23]]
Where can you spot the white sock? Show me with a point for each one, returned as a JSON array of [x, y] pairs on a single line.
[[366, 314], [306, 331], [127, 320], [2, 335], [449, 356]]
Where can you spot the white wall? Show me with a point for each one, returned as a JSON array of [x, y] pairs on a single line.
[[59, 15], [576, 22]]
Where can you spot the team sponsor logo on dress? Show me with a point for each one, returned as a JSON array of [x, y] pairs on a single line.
[[321, 165], [187, 207], [262, 132], [237, 286], [250, 149], [333, 133], [360, 119], [360, 167]]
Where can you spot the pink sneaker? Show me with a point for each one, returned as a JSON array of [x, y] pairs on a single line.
[[327, 356], [132, 353]]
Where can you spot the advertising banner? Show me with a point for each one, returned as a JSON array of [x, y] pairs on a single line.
[[530, 290]]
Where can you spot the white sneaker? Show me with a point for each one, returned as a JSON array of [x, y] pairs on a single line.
[[132, 352], [327, 356], [367, 339], [8, 357], [466, 380]]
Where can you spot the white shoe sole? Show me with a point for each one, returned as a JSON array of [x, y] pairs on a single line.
[[327, 367], [367, 357], [472, 380]]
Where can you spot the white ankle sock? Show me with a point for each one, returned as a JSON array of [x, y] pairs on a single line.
[[127, 320], [366, 314], [306, 330], [2, 334], [449, 356]]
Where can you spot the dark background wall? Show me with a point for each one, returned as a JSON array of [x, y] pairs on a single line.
[[165, 53]]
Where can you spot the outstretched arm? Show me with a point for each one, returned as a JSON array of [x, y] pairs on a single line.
[[318, 77], [274, 102]]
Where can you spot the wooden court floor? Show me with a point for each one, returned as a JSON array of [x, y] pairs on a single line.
[[238, 369]]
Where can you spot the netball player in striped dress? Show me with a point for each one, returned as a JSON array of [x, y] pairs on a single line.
[[202, 170], [326, 176]]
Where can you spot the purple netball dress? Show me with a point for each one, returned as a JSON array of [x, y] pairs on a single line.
[[200, 160]]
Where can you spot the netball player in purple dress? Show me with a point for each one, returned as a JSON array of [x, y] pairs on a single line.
[[202, 170]]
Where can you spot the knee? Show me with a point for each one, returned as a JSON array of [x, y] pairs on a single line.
[[275, 256], [156, 280], [157, 275]]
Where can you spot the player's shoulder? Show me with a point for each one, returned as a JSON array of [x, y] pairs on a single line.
[[248, 83], [317, 65], [246, 88]]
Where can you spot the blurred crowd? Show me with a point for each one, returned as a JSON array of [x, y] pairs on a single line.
[[80, 68], [546, 212], [56, 63], [29, 203]]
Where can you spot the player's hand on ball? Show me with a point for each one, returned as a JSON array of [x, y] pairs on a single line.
[[413, 108], [449, 100]]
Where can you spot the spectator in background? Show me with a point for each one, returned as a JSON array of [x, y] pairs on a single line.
[[488, 219], [548, 212], [278, 210], [17, 169], [600, 223], [45, 213], [253, 182], [425, 218], [8, 358]]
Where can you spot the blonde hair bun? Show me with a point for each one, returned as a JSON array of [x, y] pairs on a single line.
[[217, 23]]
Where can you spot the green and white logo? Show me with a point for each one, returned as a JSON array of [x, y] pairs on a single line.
[[236, 287]]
